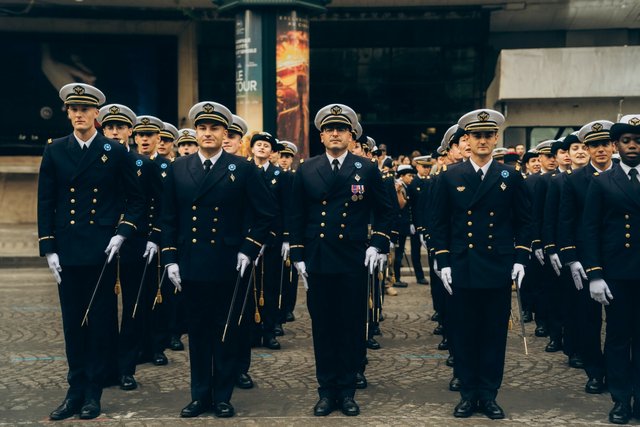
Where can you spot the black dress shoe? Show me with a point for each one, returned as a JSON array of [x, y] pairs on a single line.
[[400, 284], [128, 382], [527, 316], [176, 344], [271, 343], [594, 386], [194, 409], [541, 331], [575, 361], [372, 344], [620, 414], [435, 317], [289, 317], [450, 362], [376, 330], [553, 346], [160, 359], [67, 409], [464, 409], [278, 331], [223, 410], [455, 384], [422, 281], [324, 407], [438, 330], [491, 409], [444, 344], [349, 407], [244, 381], [361, 381], [90, 409]]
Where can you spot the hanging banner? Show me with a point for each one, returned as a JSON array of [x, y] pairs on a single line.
[[249, 87], [292, 80]]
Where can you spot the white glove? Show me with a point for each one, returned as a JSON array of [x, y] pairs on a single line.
[[114, 246], [577, 274], [370, 258], [412, 229], [391, 246], [54, 265], [555, 263], [285, 250], [173, 272], [600, 291], [150, 252], [445, 276], [381, 261], [302, 272], [539, 253], [243, 263], [423, 242], [517, 274]]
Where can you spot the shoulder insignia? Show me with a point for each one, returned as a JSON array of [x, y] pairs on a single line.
[[107, 147], [444, 168], [232, 167], [568, 171], [138, 162], [277, 172], [163, 165], [49, 141], [504, 174], [596, 173], [358, 165]]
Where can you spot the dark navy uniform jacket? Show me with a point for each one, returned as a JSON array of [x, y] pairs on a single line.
[[204, 220], [481, 228], [280, 184], [85, 198], [329, 227], [551, 210], [611, 227]]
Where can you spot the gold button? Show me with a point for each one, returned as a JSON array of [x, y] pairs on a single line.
[[489, 247], [342, 225], [491, 213], [627, 226], [194, 218], [346, 205], [469, 223], [194, 240], [213, 242], [95, 190], [468, 212], [72, 222], [490, 225], [321, 235], [344, 214], [216, 209], [150, 215], [73, 200], [93, 211], [323, 213], [340, 236], [490, 236], [215, 219], [153, 207], [91, 222], [322, 224], [194, 229], [324, 202], [470, 245], [95, 200], [213, 230], [626, 216], [73, 190], [627, 245], [627, 235], [194, 208], [470, 234], [73, 211]]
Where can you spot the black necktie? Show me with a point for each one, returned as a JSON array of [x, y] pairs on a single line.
[[480, 174], [207, 166], [336, 166], [633, 174], [84, 148]]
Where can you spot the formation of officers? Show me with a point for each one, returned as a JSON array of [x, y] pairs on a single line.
[[213, 244]]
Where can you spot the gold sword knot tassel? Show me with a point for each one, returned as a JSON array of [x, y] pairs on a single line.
[[117, 289], [159, 296]]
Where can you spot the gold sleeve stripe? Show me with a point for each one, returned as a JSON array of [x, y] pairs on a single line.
[[130, 223], [274, 234], [45, 238], [550, 246], [444, 251], [157, 229], [169, 249], [381, 234], [254, 242], [296, 246], [536, 241], [592, 269], [524, 247], [566, 248]]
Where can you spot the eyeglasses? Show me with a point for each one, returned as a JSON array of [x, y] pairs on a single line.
[[628, 139], [331, 129]]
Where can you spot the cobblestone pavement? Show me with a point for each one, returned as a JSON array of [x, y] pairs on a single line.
[[408, 377]]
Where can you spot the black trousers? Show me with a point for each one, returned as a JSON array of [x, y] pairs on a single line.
[[590, 342], [438, 292], [268, 282], [571, 310], [399, 256], [290, 291], [532, 289], [176, 308], [87, 347], [213, 363], [552, 296], [338, 305], [416, 248], [481, 318], [622, 342]]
